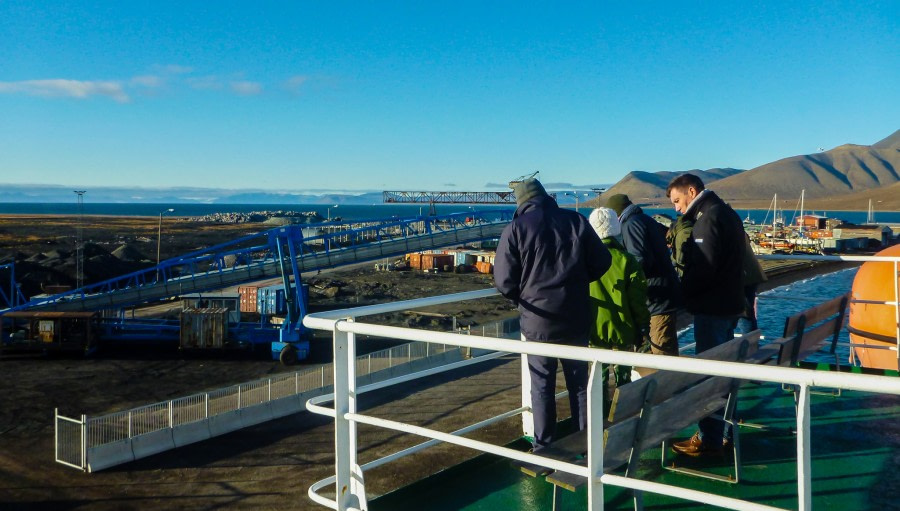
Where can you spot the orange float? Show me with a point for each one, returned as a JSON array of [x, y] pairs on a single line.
[[873, 327]]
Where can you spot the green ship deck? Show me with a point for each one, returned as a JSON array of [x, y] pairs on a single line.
[[855, 456]]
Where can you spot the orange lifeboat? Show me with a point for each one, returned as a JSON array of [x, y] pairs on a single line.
[[874, 326]]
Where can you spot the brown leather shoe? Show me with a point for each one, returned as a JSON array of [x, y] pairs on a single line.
[[695, 447]]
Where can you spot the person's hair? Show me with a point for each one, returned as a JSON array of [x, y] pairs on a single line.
[[683, 182]]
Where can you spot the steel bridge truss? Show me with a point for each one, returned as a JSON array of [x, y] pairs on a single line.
[[450, 197]]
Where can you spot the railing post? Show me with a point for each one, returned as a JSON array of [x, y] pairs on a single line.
[[322, 375], [129, 424], [269, 398], [84, 442], [595, 415], [804, 462], [171, 415], [344, 437], [56, 433], [296, 382], [527, 415], [206, 405]]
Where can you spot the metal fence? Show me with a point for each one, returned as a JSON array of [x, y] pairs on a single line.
[[75, 438]]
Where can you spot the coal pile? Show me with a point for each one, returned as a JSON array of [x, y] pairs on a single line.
[[58, 267]]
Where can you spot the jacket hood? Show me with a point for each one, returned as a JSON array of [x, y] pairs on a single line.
[[540, 201]]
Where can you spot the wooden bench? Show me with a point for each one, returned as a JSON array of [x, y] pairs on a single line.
[[802, 336], [649, 411]]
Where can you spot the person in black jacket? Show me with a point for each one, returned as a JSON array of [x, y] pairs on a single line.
[[546, 259], [712, 282], [645, 239]]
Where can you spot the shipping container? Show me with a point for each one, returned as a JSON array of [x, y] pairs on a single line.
[[270, 300], [203, 328], [248, 298], [462, 257], [228, 301], [437, 261], [49, 331], [484, 267]]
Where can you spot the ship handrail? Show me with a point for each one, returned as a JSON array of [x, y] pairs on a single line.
[[895, 303], [345, 329]]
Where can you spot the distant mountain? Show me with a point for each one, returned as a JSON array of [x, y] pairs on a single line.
[[845, 169], [179, 195], [843, 177], [650, 187], [295, 198]]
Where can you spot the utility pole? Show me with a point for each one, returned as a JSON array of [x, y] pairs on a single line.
[[79, 242], [159, 239]]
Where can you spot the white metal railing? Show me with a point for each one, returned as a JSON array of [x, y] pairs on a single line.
[[895, 303], [348, 477], [74, 438]]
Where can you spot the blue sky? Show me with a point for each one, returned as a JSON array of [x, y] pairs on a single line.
[[430, 96]]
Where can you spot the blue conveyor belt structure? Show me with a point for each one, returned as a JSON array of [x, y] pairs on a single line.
[[260, 256]]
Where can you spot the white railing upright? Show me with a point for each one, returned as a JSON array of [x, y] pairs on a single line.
[[346, 322]]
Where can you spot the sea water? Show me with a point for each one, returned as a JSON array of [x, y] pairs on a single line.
[[347, 212], [775, 305]]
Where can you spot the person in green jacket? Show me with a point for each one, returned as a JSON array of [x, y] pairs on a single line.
[[618, 299]]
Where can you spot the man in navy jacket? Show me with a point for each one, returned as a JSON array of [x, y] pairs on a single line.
[[712, 283], [546, 259]]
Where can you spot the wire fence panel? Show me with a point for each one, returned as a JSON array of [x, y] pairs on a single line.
[[124, 425], [150, 418], [69, 447], [254, 393], [223, 401], [188, 409], [283, 386], [108, 428]]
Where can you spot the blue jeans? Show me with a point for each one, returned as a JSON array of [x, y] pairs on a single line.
[[747, 322], [543, 395], [709, 332]]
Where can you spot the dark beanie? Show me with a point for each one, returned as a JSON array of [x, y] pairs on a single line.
[[618, 203], [528, 189]]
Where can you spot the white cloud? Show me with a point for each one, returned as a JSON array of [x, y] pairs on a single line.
[[206, 83], [246, 88], [62, 88], [295, 83], [149, 81], [174, 69]]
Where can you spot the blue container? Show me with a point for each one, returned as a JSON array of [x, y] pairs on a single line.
[[270, 301]]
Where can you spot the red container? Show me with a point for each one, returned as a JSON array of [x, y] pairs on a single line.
[[248, 298]]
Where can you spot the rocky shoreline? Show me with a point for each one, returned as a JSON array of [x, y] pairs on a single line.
[[267, 217]]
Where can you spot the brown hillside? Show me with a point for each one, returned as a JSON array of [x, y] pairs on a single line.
[[844, 169], [842, 178], [648, 187]]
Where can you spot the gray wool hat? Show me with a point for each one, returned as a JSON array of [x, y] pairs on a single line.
[[528, 189]]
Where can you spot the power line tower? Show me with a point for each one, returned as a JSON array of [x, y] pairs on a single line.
[[79, 242]]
